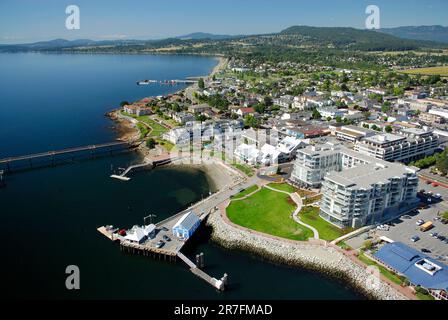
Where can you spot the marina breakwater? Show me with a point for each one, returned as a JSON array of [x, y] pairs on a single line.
[[310, 255]]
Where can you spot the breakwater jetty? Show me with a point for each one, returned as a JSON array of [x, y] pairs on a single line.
[[314, 255]]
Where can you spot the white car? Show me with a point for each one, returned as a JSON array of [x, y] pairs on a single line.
[[438, 196], [420, 222]]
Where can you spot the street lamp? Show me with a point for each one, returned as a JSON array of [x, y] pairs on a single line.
[[150, 218]]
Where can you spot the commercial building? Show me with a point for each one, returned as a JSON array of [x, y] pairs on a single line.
[[330, 112], [430, 118], [137, 110], [139, 234], [419, 269], [409, 145], [439, 112], [186, 226], [357, 189], [352, 133]]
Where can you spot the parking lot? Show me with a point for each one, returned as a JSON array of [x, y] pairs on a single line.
[[404, 228]]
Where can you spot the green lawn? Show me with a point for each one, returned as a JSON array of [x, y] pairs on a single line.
[[269, 212], [282, 187], [157, 129], [244, 193], [247, 170], [327, 231], [143, 130], [384, 271], [423, 296]]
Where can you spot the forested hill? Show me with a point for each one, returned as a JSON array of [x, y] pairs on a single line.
[[354, 38], [432, 33]]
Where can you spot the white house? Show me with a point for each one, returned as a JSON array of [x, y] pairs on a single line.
[[247, 153]]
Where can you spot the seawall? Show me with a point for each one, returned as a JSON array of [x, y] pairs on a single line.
[[324, 259]]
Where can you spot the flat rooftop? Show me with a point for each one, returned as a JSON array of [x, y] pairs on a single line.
[[384, 138], [365, 175]]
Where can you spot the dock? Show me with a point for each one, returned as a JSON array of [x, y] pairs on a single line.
[[123, 176], [52, 158], [148, 163], [167, 82], [170, 251]]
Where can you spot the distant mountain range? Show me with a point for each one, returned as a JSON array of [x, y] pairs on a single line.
[[203, 36], [404, 38], [431, 33]]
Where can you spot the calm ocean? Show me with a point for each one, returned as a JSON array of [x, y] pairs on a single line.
[[49, 216]]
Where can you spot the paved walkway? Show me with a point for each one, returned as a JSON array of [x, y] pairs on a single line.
[[298, 201]]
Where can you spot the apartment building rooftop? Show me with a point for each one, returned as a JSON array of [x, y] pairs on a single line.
[[365, 175], [384, 138]]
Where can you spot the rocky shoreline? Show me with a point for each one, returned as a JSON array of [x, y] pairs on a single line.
[[326, 260]]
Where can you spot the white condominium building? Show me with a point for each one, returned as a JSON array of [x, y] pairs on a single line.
[[411, 144], [357, 189]]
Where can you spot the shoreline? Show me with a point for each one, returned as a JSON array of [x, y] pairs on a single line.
[[127, 130], [324, 260]]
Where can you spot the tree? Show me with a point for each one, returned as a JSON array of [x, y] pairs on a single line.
[[338, 119], [201, 118], [201, 84], [151, 143], [368, 245], [316, 114], [267, 101], [386, 107], [388, 129], [442, 162], [251, 121], [124, 103], [259, 108]]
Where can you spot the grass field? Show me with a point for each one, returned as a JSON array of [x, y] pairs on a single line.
[[247, 170], [282, 187], [157, 129], [327, 231], [442, 71], [269, 212], [244, 193], [385, 272]]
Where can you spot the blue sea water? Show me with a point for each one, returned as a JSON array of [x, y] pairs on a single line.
[[49, 216]]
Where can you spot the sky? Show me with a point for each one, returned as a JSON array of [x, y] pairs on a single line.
[[24, 21]]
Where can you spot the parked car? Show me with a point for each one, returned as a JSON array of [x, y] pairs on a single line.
[[444, 221], [441, 238], [434, 234], [415, 238], [160, 244], [166, 238], [426, 250], [438, 196], [420, 222]]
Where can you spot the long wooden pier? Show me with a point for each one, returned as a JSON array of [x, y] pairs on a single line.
[[52, 157]]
